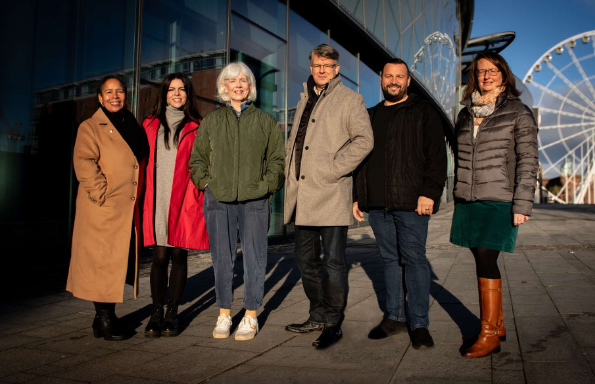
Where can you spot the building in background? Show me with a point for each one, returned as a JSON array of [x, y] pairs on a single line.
[[52, 66]]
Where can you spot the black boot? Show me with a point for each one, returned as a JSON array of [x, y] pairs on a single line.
[[170, 325], [108, 326], [153, 328]]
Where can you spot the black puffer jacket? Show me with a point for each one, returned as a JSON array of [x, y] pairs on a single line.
[[501, 163], [415, 158]]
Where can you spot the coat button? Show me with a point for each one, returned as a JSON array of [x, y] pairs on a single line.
[[306, 148], [134, 183], [303, 177], [133, 198], [313, 120]]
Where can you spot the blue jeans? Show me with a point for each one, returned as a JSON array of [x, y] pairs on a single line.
[[324, 279], [223, 220], [401, 238]]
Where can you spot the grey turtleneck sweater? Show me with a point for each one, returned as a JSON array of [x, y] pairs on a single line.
[[164, 171]]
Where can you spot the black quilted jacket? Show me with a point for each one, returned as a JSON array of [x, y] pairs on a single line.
[[501, 163], [415, 162]]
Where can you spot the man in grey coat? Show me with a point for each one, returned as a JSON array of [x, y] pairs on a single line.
[[330, 137]]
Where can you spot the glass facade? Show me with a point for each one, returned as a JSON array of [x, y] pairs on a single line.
[[65, 47]]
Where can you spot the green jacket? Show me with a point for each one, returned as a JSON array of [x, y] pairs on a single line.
[[239, 159]]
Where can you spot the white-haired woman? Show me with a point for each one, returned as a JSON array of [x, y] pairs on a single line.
[[238, 160]]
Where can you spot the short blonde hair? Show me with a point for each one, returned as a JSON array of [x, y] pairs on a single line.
[[230, 71]]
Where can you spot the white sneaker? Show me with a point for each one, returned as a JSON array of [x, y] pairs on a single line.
[[221, 330], [247, 329]]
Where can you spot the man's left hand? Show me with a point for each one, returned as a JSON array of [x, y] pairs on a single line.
[[425, 206]]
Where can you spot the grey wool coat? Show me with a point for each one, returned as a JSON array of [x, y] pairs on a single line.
[[338, 138], [501, 163]]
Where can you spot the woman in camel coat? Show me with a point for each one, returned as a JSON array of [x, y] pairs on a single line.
[[108, 160]]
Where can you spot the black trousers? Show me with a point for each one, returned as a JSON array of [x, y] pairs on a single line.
[[324, 278]]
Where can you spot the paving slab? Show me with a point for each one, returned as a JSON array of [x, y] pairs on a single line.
[[548, 301]]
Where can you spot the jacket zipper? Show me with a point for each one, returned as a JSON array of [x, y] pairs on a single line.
[[238, 160]]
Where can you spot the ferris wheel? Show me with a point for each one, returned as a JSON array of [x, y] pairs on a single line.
[[562, 82], [431, 65]]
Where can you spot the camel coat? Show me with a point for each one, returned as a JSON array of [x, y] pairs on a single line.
[[104, 243], [338, 138]]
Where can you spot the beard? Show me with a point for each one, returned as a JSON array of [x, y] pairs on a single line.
[[393, 98]]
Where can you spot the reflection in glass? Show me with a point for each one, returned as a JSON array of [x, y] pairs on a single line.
[[369, 86], [170, 44], [269, 14], [57, 58], [303, 38]]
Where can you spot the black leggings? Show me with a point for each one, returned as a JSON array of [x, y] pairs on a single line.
[[104, 306], [177, 277], [486, 263]]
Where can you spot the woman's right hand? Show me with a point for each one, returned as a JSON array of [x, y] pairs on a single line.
[[519, 218]]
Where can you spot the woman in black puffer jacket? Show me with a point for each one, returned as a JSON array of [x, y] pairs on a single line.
[[497, 166]]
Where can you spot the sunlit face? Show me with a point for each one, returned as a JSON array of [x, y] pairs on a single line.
[[112, 95], [323, 70], [238, 88], [486, 81], [394, 82], [176, 94]]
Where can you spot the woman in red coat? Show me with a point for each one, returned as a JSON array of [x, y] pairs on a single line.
[[173, 220]]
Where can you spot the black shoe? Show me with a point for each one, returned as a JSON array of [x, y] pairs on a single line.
[[307, 327], [422, 338], [386, 328], [170, 325], [108, 326], [153, 328], [328, 337]]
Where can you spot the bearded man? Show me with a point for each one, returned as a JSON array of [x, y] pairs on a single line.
[[400, 184]]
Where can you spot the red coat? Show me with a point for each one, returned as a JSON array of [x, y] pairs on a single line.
[[186, 226]]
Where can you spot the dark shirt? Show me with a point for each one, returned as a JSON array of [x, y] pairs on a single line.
[[376, 170], [303, 127]]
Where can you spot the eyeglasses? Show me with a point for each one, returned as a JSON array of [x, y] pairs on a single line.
[[327, 67], [491, 71]]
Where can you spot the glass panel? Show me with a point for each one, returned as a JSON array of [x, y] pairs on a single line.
[[369, 85], [391, 17], [374, 18], [182, 36], [61, 50], [269, 14], [355, 7], [265, 55], [303, 38], [347, 61]]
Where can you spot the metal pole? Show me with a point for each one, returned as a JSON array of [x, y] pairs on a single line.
[[137, 58]]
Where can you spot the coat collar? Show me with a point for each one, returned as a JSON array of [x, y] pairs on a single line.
[[334, 83]]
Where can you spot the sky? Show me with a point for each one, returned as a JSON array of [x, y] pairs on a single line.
[[539, 25], [566, 112]]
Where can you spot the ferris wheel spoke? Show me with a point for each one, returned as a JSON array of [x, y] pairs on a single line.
[[559, 112], [562, 98], [562, 126], [566, 138], [571, 85], [578, 65]]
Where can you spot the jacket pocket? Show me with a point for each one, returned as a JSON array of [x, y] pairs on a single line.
[[192, 198]]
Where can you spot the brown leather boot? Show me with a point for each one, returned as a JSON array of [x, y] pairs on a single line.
[[490, 301]]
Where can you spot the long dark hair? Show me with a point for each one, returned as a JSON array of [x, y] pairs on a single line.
[[507, 76], [190, 110]]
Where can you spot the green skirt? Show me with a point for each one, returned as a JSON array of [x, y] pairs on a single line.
[[484, 224]]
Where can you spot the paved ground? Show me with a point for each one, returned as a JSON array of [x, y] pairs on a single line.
[[549, 306]]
